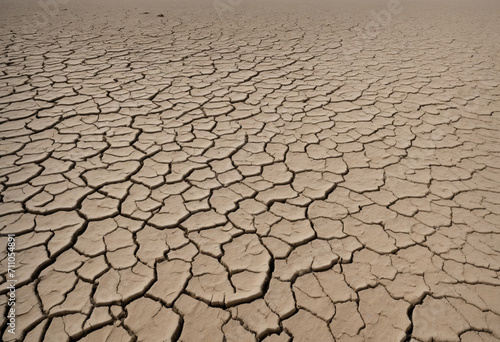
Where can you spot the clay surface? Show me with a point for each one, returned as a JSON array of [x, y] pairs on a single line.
[[257, 171]]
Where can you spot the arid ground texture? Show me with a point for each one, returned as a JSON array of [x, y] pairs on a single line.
[[250, 171]]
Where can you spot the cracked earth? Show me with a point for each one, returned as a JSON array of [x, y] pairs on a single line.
[[270, 176]]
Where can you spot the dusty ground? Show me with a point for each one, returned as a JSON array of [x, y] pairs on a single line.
[[272, 175]]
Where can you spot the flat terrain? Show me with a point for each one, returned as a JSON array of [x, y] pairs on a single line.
[[250, 172]]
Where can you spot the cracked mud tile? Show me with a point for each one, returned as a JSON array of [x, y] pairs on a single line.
[[150, 320]]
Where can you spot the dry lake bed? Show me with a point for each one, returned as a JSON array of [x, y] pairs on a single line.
[[249, 171]]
